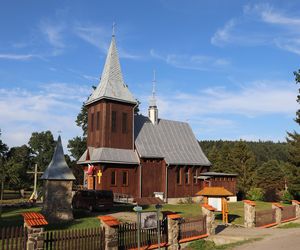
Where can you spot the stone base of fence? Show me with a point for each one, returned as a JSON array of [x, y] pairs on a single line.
[[249, 213], [208, 211], [110, 225], [297, 204]]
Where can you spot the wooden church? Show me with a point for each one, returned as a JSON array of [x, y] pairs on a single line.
[[141, 156]]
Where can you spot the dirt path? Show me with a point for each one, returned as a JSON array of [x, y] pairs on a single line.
[[272, 238], [285, 239]]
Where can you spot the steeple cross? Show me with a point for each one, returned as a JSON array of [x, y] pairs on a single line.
[[35, 172], [113, 28]]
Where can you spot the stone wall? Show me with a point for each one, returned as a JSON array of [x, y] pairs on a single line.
[[57, 200]]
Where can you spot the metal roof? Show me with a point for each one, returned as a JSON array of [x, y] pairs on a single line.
[[111, 155], [172, 140], [112, 85], [217, 174], [58, 168]]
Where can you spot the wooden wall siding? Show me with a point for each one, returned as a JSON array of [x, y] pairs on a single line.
[[104, 137], [153, 176], [133, 179], [183, 190], [227, 182]]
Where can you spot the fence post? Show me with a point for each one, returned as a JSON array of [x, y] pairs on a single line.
[[34, 223], [110, 225], [210, 218], [278, 214], [249, 213], [297, 204], [173, 231]]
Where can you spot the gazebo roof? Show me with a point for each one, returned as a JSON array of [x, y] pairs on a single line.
[[214, 191]]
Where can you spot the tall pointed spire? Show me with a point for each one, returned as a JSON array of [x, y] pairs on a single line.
[[58, 168], [152, 110], [112, 85]]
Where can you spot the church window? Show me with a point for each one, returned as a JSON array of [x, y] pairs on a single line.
[[98, 120], [125, 178], [178, 177], [124, 123], [195, 174], [92, 122], [187, 176], [113, 121], [113, 181]]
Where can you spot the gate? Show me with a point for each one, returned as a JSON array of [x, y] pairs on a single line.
[[127, 235], [266, 217], [88, 239], [13, 238]]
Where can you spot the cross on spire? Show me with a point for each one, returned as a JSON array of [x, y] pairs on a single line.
[[113, 29], [153, 85]]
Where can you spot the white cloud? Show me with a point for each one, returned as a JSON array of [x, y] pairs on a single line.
[[281, 31], [53, 33], [252, 100], [52, 106], [223, 35], [100, 38], [17, 57], [193, 62]]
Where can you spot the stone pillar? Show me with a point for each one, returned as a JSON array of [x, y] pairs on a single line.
[[34, 223], [110, 225], [35, 239], [173, 231], [297, 204], [278, 214], [249, 213], [210, 218]]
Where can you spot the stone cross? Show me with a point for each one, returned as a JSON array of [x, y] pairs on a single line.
[[99, 175], [34, 194]]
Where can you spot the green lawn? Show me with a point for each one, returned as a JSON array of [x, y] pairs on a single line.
[[84, 219], [290, 225], [210, 245]]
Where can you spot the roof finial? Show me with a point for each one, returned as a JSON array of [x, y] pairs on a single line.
[[113, 28], [153, 85]]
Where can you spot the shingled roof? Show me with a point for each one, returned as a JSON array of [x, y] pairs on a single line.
[[111, 155], [172, 140], [112, 85], [58, 168]]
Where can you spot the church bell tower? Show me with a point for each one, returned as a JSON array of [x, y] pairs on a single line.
[[152, 110], [111, 107]]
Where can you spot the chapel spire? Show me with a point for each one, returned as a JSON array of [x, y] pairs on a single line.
[[112, 85], [152, 110]]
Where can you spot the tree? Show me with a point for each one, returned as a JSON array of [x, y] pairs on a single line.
[[243, 162], [3, 156], [42, 145], [19, 159], [271, 178]]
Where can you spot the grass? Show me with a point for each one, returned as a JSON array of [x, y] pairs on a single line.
[[290, 225], [185, 210], [210, 245]]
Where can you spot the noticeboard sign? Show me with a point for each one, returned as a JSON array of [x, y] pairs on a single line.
[[148, 220]]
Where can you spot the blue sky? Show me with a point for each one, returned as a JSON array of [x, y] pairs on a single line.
[[226, 67]]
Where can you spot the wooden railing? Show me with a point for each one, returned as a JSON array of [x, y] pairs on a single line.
[[13, 238], [127, 235], [288, 212], [265, 217], [89, 239], [193, 227]]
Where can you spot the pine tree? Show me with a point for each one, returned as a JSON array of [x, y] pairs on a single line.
[[243, 162]]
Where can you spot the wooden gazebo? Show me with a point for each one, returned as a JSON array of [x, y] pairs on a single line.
[[216, 197]]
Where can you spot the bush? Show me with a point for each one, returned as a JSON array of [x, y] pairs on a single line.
[[255, 194], [286, 197]]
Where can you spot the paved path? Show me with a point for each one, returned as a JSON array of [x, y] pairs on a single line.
[[273, 238]]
